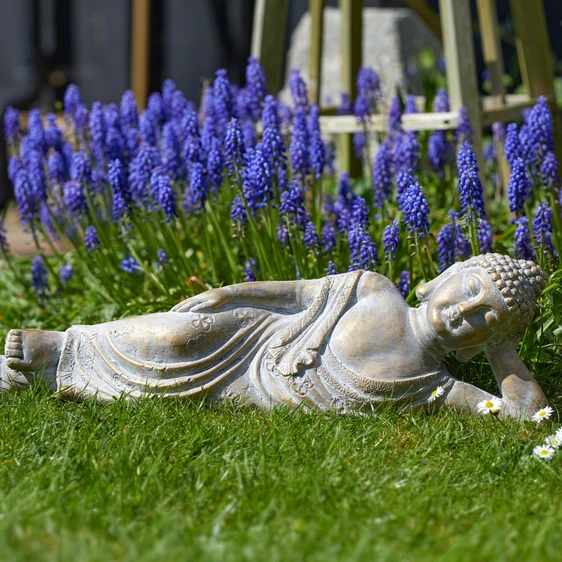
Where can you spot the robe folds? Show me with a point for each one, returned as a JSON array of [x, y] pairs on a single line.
[[259, 355]]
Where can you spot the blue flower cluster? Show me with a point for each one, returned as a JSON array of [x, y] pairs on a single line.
[[164, 192]]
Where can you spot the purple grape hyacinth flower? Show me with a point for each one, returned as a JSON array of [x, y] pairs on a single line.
[[485, 237], [256, 87], [297, 87], [549, 170], [541, 128], [120, 190], [35, 131], [390, 239], [91, 240], [363, 251], [238, 214], [310, 236], [451, 243], [98, 132], [410, 107], [163, 193], [53, 133], [36, 170], [74, 198], [359, 212], [416, 210], [198, 186], [471, 192], [441, 101], [72, 99], [128, 110], [394, 116], [328, 236], [129, 265], [224, 100], [249, 134], [39, 277], [258, 180], [404, 179], [463, 133], [215, 164], [234, 147], [368, 93], [11, 125], [282, 233], [162, 257], [382, 174], [404, 284], [331, 269], [300, 156], [542, 229], [272, 141], [291, 201], [317, 153], [66, 273], [140, 170], [512, 147], [523, 247], [406, 152], [437, 151], [519, 187], [250, 270]]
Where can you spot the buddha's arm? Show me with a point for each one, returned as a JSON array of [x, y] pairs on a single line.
[[521, 394], [286, 296]]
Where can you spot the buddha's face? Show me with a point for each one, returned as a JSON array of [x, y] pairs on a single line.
[[465, 310]]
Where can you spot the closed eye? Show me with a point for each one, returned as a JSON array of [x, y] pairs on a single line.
[[472, 288]]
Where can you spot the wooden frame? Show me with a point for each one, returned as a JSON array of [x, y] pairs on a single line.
[[140, 50]]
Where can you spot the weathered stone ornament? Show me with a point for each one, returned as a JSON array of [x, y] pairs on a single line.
[[345, 342]]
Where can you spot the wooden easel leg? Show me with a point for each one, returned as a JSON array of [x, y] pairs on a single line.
[[316, 9], [268, 39], [351, 57], [456, 25], [140, 50], [535, 57]]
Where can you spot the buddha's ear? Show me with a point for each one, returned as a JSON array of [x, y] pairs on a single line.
[[465, 355]]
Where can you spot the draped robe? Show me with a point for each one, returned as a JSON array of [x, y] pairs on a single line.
[[256, 354]]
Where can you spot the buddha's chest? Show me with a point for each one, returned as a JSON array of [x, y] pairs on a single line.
[[378, 342]]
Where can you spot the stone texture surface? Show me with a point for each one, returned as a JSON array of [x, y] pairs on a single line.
[[346, 342], [392, 41]]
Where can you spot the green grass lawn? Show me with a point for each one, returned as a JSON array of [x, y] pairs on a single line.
[[173, 481], [170, 481]]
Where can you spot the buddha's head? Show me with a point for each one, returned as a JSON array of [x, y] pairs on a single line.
[[487, 299]]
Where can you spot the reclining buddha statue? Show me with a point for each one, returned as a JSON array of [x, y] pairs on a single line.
[[346, 342]]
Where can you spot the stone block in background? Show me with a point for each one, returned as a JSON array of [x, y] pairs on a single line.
[[101, 47], [392, 41]]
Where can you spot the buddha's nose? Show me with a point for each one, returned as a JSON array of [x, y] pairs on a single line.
[[471, 306]]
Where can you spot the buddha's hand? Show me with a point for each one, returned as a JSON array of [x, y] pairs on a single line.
[[209, 300]]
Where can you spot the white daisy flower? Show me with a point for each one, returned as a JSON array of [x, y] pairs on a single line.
[[558, 433], [543, 452], [553, 441], [489, 406], [543, 414], [436, 394]]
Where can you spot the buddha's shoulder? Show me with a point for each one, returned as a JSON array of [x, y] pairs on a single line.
[[372, 283]]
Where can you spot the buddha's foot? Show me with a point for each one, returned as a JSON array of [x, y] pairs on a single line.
[[33, 350], [14, 348]]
